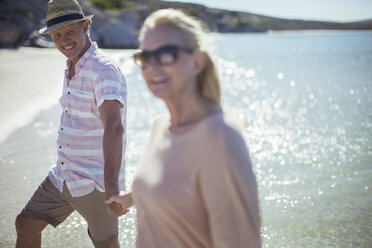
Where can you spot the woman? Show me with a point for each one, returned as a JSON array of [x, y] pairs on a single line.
[[194, 186]]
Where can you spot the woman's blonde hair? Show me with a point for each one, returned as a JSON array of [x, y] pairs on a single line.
[[192, 31]]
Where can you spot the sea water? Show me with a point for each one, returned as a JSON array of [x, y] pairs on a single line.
[[304, 100], [307, 100]]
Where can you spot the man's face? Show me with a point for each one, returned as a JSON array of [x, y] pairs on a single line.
[[71, 40]]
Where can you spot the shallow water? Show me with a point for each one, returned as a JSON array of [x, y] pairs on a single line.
[[304, 101]]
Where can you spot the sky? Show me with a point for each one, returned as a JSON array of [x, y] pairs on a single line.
[[327, 10]]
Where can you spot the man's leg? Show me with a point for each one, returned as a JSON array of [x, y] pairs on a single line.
[[46, 206], [29, 231], [102, 226]]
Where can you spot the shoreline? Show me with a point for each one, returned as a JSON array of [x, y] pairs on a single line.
[[30, 82]]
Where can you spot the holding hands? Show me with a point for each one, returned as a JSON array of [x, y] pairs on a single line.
[[119, 204]]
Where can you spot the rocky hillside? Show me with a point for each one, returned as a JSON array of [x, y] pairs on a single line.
[[116, 22]]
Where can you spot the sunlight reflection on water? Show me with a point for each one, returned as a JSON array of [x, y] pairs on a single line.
[[308, 143], [310, 148]]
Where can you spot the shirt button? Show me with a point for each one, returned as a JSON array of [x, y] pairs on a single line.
[[65, 111], [60, 147], [62, 163], [61, 128], [68, 92]]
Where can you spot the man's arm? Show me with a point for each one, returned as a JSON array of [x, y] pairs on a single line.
[[112, 149]]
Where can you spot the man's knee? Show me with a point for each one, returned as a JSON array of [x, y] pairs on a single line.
[[27, 225]]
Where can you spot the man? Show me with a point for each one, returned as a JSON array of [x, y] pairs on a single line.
[[91, 137]]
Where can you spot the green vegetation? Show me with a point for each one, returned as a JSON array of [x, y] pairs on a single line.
[[152, 8], [191, 11], [114, 4]]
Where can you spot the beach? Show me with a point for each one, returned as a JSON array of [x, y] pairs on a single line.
[[304, 99]]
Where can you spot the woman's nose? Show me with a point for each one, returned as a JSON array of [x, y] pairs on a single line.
[[151, 62]]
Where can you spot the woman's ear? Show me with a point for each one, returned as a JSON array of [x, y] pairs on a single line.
[[200, 61]]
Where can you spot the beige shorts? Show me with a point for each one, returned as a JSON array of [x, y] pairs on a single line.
[[54, 207]]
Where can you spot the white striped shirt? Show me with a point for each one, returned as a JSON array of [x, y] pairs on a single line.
[[80, 160]]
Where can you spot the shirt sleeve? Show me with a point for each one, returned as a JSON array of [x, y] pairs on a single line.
[[229, 192], [110, 85]]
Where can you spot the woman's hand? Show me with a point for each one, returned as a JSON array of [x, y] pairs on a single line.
[[124, 199]]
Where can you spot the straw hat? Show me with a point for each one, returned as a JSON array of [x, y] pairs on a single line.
[[62, 13]]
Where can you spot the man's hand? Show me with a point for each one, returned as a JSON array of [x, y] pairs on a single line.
[[116, 209], [119, 204]]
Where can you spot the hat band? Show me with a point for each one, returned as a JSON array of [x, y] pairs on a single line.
[[64, 18]]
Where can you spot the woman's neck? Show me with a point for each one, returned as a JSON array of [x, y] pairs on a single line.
[[184, 114]]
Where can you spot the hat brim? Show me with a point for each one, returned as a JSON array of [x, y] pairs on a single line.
[[48, 30]]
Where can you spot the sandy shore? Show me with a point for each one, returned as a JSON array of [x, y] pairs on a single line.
[[30, 80]]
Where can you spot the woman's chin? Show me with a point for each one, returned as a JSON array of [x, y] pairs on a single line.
[[160, 92], [160, 95]]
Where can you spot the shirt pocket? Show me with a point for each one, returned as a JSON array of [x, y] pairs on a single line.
[[81, 104]]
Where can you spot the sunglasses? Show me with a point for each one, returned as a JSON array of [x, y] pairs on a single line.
[[165, 55]]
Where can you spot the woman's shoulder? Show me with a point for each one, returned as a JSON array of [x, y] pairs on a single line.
[[224, 145], [221, 133], [223, 123]]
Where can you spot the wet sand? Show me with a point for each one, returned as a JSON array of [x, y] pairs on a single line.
[[30, 80]]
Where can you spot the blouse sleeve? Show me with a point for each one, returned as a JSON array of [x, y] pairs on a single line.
[[229, 192]]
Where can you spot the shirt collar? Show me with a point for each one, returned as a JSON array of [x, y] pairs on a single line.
[[86, 55]]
